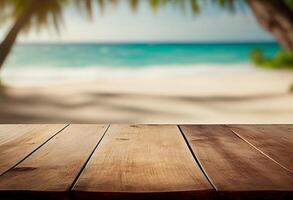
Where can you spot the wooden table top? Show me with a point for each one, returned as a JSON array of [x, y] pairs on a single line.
[[117, 161]]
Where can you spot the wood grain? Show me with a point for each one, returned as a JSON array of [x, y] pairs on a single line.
[[275, 141], [142, 162], [18, 141], [235, 168], [52, 169]]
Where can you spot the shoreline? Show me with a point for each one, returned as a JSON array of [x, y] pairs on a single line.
[[46, 76]]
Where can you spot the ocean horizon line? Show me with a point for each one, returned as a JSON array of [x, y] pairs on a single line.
[[148, 42]]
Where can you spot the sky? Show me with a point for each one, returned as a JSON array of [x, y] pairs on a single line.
[[168, 24]]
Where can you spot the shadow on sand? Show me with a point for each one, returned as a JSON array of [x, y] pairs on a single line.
[[94, 107]]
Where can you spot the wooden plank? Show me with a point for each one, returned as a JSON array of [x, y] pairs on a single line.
[[18, 141], [275, 141], [142, 162], [51, 170], [235, 168]]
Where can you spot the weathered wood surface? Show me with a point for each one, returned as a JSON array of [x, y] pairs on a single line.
[[234, 166], [54, 167], [18, 141], [142, 159], [275, 141], [146, 162]]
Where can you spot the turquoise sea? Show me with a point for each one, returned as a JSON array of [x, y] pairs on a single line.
[[133, 55], [51, 63]]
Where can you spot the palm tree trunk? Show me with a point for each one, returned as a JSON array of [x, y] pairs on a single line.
[[22, 20], [275, 17]]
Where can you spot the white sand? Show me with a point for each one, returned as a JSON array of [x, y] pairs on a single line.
[[226, 96]]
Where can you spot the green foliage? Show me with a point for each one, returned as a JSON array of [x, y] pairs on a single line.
[[282, 60], [50, 13], [257, 56], [289, 3], [291, 88], [52, 10], [194, 5]]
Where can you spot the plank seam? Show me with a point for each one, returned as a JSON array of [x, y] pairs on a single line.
[[46, 141], [263, 153], [196, 160], [87, 161]]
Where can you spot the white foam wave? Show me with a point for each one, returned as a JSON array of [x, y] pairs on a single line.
[[51, 75]]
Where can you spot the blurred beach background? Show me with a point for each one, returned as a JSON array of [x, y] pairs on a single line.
[[34, 64], [144, 65]]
